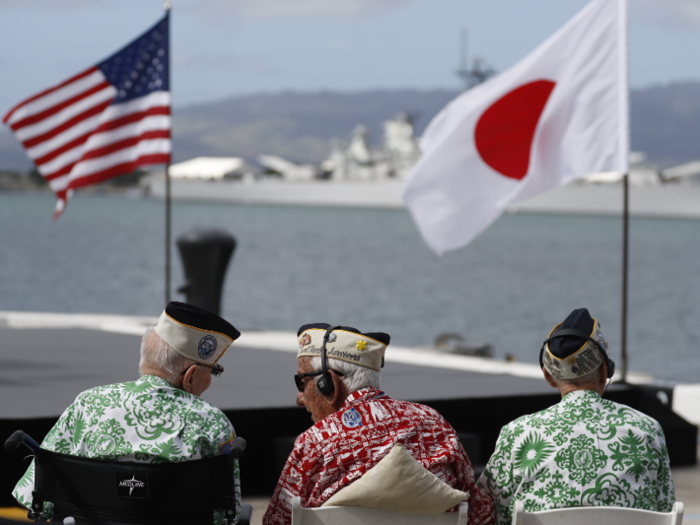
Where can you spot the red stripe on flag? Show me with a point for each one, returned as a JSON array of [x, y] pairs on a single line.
[[126, 143], [133, 117], [66, 125], [107, 126], [66, 147], [65, 170], [50, 90], [120, 169], [38, 117]]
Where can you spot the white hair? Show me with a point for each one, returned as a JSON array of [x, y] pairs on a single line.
[[159, 356], [354, 377]]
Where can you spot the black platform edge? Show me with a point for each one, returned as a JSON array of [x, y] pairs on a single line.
[[270, 433]]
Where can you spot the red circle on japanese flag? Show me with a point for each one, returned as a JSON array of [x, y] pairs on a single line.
[[504, 132]]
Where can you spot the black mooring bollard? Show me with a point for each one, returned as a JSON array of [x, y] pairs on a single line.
[[205, 255]]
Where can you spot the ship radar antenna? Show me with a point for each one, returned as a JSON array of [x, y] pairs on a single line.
[[479, 71]]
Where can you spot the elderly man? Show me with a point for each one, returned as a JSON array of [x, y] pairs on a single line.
[[159, 417], [584, 451], [358, 428]]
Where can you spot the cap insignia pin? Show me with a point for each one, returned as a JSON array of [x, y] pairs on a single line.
[[361, 345], [207, 346]]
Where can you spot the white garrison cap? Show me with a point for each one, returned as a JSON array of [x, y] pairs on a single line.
[[195, 333], [344, 343]]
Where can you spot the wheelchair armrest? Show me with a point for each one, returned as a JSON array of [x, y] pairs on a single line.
[[246, 514]]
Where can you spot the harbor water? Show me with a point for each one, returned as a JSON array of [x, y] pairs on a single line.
[[370, 269]]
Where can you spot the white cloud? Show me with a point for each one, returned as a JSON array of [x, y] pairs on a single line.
[[287, 8], [45, 4], [675, 13], [252, 64]]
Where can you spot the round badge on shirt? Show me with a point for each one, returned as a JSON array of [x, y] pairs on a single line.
[[351, 418]]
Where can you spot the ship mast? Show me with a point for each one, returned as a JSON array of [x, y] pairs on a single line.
[[479, 72]]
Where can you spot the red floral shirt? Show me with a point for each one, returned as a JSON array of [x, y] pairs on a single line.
[[344, 445]]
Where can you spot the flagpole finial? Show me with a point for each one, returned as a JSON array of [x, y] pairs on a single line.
[[168, 5]]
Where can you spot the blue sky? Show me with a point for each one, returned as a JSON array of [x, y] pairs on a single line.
[[223, 48]]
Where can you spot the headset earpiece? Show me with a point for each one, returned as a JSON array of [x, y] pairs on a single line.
[[611, 367], [325, 382]]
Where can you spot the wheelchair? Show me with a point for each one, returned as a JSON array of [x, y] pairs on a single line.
[[89, 491]]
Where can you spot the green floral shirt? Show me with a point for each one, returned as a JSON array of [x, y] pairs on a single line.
[[142, 421], [583, 451]]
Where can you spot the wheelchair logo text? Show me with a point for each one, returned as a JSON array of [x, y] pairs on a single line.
[[132, 488], [133, 483]]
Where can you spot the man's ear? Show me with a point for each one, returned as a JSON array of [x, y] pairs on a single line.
[[189, 378], [339, 395], [549, 378]]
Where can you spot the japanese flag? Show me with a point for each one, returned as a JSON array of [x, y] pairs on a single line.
[[558, 115]]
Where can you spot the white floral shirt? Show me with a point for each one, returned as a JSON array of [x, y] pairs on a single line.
[[142, 421], [583, 451]]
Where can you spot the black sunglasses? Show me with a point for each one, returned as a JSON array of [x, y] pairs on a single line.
[[298, 378], [216, 370]]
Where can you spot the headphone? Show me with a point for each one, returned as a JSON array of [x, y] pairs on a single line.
[[325, 383], [577, 333]]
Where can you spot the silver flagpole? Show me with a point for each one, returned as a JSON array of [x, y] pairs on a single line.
[[625, 148], [625, 265], [167, 181]]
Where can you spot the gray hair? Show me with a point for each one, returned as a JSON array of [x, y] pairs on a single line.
[[158, 355], [354, 377]]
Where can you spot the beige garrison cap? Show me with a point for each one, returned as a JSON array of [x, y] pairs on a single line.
[[344, 343], [195, 333]]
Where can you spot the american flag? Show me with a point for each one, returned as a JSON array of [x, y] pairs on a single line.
[[103, 122]]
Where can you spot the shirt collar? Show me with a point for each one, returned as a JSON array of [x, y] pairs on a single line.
[[580, 394], [363, 395], [156, 380]]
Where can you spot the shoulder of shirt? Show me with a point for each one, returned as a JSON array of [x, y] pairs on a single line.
[[549, 411], [631, 413], [426, 408], [206, 405], [96, 390]]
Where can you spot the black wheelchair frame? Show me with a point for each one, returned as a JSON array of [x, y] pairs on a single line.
[[103, 492]]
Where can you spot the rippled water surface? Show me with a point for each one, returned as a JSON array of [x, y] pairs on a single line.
[[369, 269]]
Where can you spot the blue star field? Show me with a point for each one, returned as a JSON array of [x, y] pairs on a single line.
[[140, 67]]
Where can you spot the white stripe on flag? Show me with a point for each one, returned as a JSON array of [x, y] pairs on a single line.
[[72, 133], [93, 166], [56, 120], [155, 99], [49, 168], [153, 123], [99, 140], [158, 98], [57, 97]]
